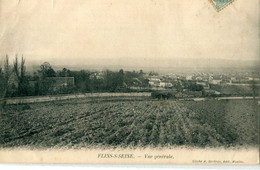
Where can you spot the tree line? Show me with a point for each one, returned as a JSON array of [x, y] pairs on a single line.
[[15, 81]]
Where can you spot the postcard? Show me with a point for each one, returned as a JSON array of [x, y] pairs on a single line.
[[129, 82]]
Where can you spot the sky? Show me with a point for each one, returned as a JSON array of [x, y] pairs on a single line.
[[136, 33]]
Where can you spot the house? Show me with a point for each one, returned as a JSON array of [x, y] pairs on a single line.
[[212, 92], [189, 77], [216, 82], [154, 82], [199, 78], [204, 84], [164, 84], [97, 75], [233, 78], [250, 78]]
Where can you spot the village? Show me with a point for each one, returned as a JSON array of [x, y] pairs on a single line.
[[207, 84], [199, 84], [49, 81]]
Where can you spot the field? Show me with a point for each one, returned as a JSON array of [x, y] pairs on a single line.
[[130, 122]]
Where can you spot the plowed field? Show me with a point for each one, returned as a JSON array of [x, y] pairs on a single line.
[[130, 123]]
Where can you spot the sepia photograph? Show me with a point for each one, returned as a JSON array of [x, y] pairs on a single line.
[[130, 82]]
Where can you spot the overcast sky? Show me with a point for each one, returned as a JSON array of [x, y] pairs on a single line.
[[138, 33]]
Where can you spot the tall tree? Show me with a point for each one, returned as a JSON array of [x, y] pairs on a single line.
[[5, 75], [21, 77], [120, 78]]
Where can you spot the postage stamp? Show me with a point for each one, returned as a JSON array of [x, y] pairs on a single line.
[[220, 4]]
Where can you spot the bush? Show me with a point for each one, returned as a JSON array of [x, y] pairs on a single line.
[[162, 95]]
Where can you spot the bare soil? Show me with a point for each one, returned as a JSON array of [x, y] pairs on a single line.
[[128, 122]]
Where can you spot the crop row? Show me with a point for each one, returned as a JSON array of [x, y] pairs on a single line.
[[130, 124]]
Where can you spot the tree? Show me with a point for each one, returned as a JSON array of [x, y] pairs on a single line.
[[45, 85], [97, 85], [195, 87], [5, 75], [46, 70], [254, 89], [23, 83], [82, 80], [120, 78], [153, 74], [178, 86], [141, 73], [64, 73], [113, 80]]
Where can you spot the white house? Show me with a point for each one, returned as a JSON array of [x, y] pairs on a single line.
[[215, 82]]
